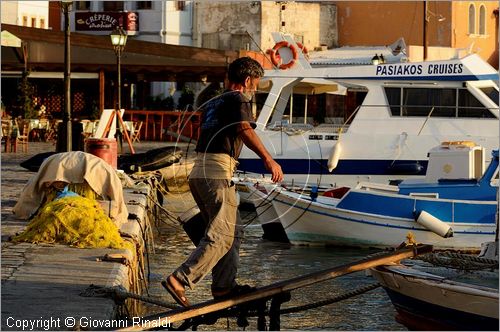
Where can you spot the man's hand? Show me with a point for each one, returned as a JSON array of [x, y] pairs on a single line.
[[275, 169], [253, 141]]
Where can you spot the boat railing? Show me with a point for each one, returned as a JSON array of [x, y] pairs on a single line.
[[299, 128]]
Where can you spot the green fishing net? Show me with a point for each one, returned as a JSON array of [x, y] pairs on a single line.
[[77, 221]]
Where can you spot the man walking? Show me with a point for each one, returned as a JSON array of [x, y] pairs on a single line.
[[227, 123]]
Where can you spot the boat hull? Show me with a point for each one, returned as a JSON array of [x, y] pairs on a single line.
[[321, 222], [424, 303], [260, 197]]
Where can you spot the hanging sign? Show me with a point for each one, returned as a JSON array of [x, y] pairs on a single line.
[[106, 21]]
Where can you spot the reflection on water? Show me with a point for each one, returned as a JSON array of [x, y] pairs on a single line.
[[264, 262]]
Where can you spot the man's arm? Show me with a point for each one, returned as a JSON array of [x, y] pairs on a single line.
[[253, 142]]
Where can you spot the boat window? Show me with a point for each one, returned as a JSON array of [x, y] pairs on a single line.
[[260, 99], [394, 100], [423, 102], [492, 93], [470, 107], [426, 195]]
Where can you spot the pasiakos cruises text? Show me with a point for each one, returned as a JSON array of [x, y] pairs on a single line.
[[432, 69]]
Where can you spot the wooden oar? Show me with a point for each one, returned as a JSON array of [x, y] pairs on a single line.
[[165, 319]]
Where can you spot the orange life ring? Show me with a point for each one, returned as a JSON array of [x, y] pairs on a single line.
[[276, 59]]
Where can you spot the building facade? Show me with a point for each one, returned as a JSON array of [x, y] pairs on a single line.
[[249, 24], [34, 14], [468, 25]]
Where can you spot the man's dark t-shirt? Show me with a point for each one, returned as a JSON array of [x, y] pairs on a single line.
[[219, 121]]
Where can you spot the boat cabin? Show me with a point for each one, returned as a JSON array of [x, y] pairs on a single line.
[[322, 104], [456, 170]]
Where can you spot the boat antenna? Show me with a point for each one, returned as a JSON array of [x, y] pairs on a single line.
[[258, 46], [426, 119]]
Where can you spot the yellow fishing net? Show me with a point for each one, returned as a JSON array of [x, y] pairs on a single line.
[[77, 221]]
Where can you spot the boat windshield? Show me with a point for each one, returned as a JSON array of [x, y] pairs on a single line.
[[315, 110], [492, 93]]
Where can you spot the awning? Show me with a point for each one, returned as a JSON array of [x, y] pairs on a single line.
[[9, 40], [308, 86], [50, 74], [92, 53]]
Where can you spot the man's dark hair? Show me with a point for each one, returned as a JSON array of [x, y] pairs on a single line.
[[243, 67]]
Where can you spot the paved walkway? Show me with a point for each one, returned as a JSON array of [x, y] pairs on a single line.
[[41, 283]]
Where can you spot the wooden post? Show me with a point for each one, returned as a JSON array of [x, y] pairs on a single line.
[[165, 319], [101, 91]]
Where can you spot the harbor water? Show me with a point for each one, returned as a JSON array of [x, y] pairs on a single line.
[[263, 262]]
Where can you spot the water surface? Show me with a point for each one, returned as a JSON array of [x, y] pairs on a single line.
[[264, 262]]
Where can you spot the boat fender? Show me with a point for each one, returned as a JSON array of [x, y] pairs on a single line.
[[275, 57], [314, 193], [334, 157], [434, 224]]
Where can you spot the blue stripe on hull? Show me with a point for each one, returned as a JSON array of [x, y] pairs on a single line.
[[344, 167], [409, 227], [405, 207], [437, 317]]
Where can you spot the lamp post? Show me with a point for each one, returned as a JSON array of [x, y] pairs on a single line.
[[118, 40], [66, 6]]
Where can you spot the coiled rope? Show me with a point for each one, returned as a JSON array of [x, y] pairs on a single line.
[[459, 261]]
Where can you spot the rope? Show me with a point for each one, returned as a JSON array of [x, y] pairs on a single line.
[[459, 261], [337, 298], [472, 258], [118, 293], [210, 319]]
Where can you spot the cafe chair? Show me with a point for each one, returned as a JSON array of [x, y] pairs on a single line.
[[6, 133], [136, 132], [22, 136]]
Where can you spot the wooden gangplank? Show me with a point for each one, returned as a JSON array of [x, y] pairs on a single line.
[[166, 318]]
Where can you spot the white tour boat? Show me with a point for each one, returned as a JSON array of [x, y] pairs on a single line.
[[340, 125]]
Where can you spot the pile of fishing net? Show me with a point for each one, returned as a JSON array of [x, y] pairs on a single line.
[[77, 220]]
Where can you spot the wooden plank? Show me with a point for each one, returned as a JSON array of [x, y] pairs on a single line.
[[165, 319]]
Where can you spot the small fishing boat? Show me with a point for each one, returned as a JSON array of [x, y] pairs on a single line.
[[433, 297], [150, 160], [454, 207]]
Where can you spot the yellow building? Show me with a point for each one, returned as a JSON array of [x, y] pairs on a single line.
[[469, 26]]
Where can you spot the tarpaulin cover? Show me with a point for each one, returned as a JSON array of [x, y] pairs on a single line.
[[74, 167]]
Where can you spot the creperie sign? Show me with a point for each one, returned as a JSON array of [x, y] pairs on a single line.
[[103, 21]]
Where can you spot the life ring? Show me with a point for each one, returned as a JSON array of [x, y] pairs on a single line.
[[276, 59], [303, 48]]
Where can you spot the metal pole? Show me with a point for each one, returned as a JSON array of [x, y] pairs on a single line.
[[118, 133], [425, 27], [67, 79]]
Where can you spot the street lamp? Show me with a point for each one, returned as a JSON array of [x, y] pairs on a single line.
[[66, 6], [118, 40]]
